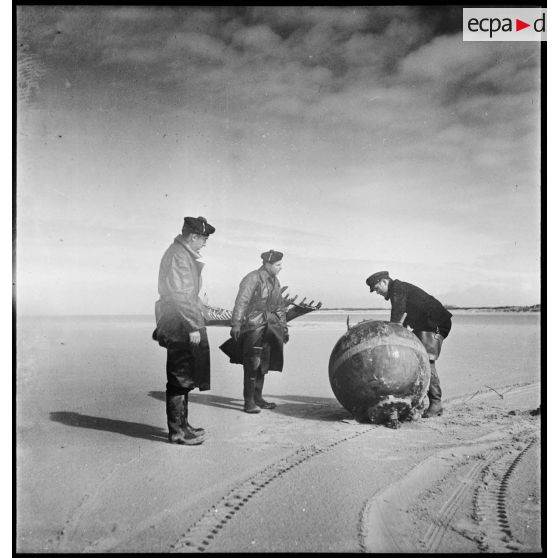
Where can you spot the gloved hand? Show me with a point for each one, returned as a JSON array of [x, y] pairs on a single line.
[[235, 332], [286, 337], [195, 337]]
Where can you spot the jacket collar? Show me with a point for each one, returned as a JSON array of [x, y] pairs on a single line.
[[265, 275], [390, 290], [182, 241]]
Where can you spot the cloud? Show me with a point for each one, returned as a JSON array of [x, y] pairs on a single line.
[[454, 70], [258, 37], [195, 44], [380, 118], [135, 14], [324, 41], [288, 18], [363, 66], [442, 59]]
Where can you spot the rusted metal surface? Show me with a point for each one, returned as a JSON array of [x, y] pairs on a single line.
[[379, 371]]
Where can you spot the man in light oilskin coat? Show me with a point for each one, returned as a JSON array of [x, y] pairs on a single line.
[[259, 326], [179, 313]]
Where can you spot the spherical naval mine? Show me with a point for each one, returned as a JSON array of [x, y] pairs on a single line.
[[380, 372]]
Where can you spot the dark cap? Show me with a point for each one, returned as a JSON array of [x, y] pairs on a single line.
[[376, 277], [197, 225], [271, 256]]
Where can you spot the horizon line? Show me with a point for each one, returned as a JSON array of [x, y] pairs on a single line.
[[344, 308]]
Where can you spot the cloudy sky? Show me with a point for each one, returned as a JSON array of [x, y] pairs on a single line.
[[352, 139]]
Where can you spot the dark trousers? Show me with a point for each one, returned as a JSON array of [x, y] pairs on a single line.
[[181, 377], [432, 341], [434, 389], [256, 350], [187, 368]]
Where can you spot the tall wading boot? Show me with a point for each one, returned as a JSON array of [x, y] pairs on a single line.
[[175, 420], [260, 401], [249, 388], [435, 408], [186, 426], [251, 366]]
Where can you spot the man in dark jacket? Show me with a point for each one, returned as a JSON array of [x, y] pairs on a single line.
[[259, 325], [430, 321], [181, 327]]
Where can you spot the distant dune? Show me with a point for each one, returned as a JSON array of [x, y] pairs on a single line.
[[533, 308]]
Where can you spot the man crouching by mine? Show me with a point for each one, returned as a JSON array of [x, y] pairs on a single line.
[[259, 325], [181, 327], [431, 323]]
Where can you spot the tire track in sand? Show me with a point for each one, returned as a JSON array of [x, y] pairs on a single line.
[[384, 524], [490, 502], [203, 532], [442, 523]]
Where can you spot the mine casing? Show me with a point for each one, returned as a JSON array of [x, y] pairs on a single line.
[[377, 367]]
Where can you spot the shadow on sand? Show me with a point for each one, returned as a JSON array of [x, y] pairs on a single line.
[[314, 408], [133, 429], [298, 406], [207, 399]]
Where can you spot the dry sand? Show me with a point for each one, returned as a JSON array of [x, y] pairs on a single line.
[[95, 473]]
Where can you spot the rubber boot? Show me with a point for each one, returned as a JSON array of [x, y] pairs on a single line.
[[186, 426], [195, 431], [435, 408], [251, 365], [175, 419], [249, 388], [260, 401]]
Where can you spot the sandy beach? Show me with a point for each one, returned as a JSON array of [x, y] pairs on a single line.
[[96, 474]]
